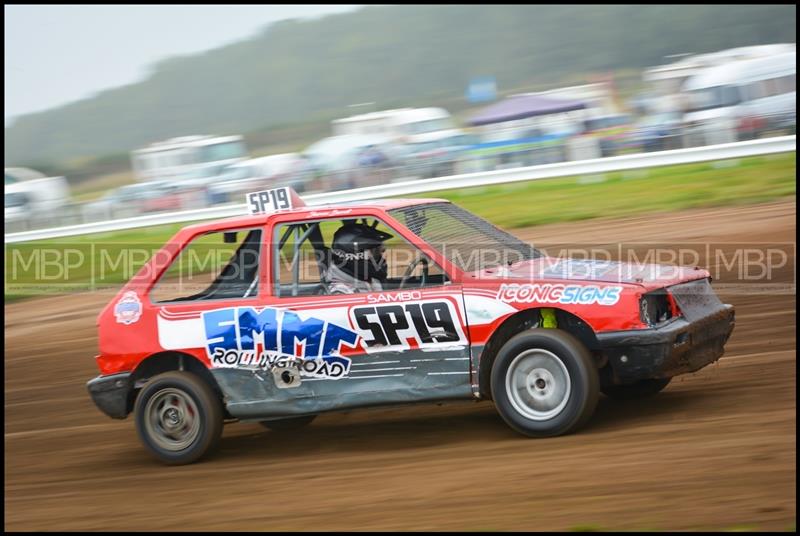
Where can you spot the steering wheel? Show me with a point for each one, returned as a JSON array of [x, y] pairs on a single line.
[[410, 270]]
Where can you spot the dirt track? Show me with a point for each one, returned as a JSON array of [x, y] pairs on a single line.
[[715, 450]]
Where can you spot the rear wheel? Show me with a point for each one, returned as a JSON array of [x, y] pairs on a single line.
[[640, 389], [544, 383], [290, 423], [178, 417]]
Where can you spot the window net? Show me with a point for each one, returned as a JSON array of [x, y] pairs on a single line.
[[466, 240]]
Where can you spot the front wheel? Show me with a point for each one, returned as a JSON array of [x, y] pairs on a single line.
[[178, 417], [640, 389], [544, 383]]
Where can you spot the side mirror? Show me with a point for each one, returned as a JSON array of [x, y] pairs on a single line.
[[229, 237]]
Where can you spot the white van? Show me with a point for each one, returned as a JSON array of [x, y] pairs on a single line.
[[744, 98], [32, 198], [421, 125], [403, 125], [190, 159]]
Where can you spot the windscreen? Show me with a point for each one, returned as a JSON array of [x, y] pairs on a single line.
[[713, 97], [468, 241], [223, 151]]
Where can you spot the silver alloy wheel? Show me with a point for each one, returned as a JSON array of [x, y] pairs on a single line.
[[172, 419], [538, 384]]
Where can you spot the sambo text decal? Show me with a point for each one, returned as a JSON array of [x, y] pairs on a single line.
[[250, 338]]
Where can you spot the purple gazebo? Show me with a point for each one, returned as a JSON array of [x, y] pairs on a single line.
[[522, 106]]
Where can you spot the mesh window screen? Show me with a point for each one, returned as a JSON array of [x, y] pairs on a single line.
[[468, 241]]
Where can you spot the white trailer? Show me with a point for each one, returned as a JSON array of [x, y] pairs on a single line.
[[31, 197], [188, 158]]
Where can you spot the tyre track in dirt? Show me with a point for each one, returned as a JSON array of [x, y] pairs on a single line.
[[715, 450]]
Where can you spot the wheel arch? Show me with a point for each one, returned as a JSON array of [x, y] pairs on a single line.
[[524, 320], [165, 362]]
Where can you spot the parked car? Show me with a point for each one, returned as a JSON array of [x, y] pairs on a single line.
[[165, 196], [438, 156], [340, 162], [32, 198], [785, 122], [133, 199], [17, 210], [513, 147], [288, 169], [744, 96], [614, 132], [659, 132], [280, 343]]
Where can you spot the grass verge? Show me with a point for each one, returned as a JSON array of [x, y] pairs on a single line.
[[621, 194], [669, 188]]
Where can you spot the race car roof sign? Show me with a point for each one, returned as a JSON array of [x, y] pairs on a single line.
[[275, 200]]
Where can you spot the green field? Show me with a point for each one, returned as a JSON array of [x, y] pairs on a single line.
[[114, 257], [670, 188]]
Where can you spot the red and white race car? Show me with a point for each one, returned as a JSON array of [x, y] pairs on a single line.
[[239, 319]]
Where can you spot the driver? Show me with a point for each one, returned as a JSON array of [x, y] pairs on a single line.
[[357, 263]]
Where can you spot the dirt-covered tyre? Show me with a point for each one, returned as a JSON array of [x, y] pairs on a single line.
[[179, 418], [544, 383], [289, 423], [640, 389]]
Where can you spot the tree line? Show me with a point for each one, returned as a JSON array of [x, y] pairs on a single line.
[[303, 71]]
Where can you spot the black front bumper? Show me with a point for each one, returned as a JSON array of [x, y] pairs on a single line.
[[676, 348], [112, 394]]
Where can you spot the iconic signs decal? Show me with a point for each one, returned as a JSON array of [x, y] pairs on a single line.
[[559, 293]]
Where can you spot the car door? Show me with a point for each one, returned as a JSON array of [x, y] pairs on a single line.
[[389, 346], [217, 276]]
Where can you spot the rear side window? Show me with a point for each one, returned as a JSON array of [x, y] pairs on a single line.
[[213, 266]]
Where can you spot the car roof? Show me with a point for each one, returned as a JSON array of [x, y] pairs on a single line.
[[308, 213], [743, 71], [143, 185]]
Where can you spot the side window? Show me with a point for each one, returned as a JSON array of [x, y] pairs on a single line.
[[297, 264], [730, 95], [307, 263], [772, 87], [213, 266], [759, 90], [790, 83]]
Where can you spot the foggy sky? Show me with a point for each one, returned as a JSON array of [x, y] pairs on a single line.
[[59, 54]]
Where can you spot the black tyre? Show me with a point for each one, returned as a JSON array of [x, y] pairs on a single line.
[[179, 418], [544, 383], [640, 389], [290, 423]]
